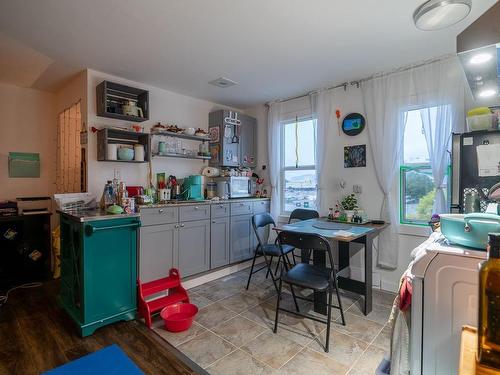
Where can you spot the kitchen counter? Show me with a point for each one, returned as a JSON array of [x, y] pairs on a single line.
[[93, 215], [197, 203]]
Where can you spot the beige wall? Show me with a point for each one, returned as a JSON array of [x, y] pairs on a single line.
[[166, 106], [28, 125]]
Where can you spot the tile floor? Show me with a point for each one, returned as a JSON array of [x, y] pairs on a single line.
[[233, 334]]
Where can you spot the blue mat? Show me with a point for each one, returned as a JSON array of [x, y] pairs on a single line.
[[110, 361]]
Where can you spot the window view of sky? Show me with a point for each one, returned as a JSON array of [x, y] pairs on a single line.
[[299, 185], [415, 146]]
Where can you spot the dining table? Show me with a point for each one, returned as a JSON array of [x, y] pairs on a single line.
[[344, 234]]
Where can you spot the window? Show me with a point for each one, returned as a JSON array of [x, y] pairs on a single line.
[[417, 189], [298, 165]]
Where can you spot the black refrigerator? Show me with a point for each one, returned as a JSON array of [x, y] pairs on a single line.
[[475, 167]]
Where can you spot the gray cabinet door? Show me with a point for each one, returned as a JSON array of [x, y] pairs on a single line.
[[157, 245], [241, 238], [248, 152], [219, 242], [193, 252]]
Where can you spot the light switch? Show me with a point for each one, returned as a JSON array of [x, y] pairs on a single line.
[[356, 189]]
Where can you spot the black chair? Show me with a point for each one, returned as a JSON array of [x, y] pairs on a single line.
[[308, 276], [268, 251], [301, 214]]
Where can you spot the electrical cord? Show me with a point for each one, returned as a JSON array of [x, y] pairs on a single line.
[[5, 297]]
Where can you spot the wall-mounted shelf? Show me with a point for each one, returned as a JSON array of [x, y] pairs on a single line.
[[182, 156], [183, 136], [109, 136], [112, 96]]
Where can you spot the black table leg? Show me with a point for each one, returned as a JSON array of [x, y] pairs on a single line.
[[320, 300], [343, 255], [368, 274]]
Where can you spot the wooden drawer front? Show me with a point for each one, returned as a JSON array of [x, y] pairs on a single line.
[[241, 208], [220, 210], [159, 215], [192, 213], [261, 206]]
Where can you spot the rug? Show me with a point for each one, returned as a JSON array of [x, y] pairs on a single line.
[[110, 361]]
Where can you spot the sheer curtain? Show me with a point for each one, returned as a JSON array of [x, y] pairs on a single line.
[[274, 152], [385, 100], [321, 111], [440, 90]]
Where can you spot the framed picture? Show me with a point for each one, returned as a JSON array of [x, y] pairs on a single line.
[[353, 124], [355, 156]]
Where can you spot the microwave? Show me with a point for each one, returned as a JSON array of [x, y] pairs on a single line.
[[235, 187]]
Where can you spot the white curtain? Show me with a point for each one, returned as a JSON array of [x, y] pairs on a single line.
[[68, 170], [385, 100], [321, 111], [440, 90], [274, 152]]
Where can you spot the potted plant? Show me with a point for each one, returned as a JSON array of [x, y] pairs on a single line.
[[349, 204]]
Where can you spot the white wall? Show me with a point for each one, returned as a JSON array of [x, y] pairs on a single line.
[[165, 106], [28, 125], [371, 197]]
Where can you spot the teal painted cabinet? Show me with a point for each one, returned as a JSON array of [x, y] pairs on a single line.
[[98, 270]]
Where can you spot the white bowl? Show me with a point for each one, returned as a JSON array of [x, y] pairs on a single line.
[[189, 131]]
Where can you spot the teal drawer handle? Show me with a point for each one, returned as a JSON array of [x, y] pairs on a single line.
[[90, 229]]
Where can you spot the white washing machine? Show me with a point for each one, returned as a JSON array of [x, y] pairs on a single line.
[[445, 297]]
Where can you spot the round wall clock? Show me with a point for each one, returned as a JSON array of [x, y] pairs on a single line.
[[353, 124]]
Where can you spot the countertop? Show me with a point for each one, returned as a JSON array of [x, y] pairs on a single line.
[[93, 215], [197, 203], [97, 214]]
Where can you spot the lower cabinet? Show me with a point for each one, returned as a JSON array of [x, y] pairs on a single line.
[[219, 242], [193, 254], [158, 243], [242, 238]]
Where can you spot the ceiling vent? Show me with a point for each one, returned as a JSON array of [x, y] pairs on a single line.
[[223, 82]]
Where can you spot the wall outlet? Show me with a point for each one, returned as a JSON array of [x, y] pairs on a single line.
[[356, 189]]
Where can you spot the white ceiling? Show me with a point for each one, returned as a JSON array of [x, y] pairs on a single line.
[[272, 48]]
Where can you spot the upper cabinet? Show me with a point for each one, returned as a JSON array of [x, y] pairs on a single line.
[[122, 102], [232, 139]]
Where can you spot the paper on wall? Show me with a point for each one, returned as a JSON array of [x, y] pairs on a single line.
[[488, 160]]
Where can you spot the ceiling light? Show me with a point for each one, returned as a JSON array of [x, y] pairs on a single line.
[[480, 58], [487, 93], [223, 82], [438, 14]]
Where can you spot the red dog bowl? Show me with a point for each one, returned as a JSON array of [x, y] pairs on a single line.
[[179, 316]]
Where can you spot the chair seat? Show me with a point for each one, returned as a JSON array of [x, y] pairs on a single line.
[[273, 249], [308, 276]]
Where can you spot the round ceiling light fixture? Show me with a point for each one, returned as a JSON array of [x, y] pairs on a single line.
[[487, 93], [439, 14]]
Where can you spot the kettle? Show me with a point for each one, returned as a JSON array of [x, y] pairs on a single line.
[[131, 109]]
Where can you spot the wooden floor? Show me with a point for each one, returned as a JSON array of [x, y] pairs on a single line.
[[36, 335]]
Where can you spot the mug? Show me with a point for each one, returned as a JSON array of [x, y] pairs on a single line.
[[161, 147]]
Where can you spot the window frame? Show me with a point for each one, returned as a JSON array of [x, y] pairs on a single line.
[[284, 168]]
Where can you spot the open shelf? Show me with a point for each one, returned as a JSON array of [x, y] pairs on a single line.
[[112, 96], [109, 136], [183, 136], [182, 156]]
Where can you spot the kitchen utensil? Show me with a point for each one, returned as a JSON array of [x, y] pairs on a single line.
[[131, 109], [125, 153], [139, 152], [176, 192], [135, 190], [114, 209], [469, 230], [178, 317], [112, 151], [161, 147]]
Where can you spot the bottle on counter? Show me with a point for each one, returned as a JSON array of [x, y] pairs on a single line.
[[330, 213], [489, 305], [107, 198]]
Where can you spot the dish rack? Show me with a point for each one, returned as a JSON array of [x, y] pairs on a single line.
[[170, 285], [75, 201]]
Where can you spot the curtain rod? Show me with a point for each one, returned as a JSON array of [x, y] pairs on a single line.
[[357, 82]]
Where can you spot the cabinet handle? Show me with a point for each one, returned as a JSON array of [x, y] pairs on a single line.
[[213, 221], [90, 229], [176, 226], [196, 208], [182, 225], [221, 206], [160, 210], [242, 204]]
